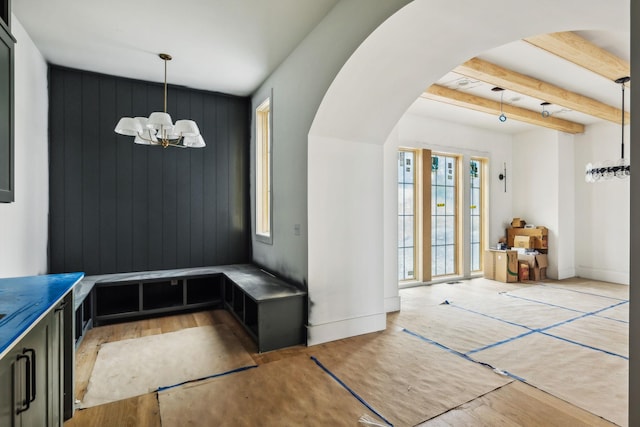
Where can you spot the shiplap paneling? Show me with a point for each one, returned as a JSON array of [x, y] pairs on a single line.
[[116, 206]]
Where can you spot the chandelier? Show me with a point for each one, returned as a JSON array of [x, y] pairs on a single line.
[[158, 128], [602, 171]]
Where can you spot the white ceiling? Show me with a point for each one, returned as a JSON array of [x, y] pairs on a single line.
[[232, 46], [227, 46]]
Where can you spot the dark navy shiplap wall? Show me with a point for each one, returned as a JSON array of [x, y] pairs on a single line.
[[116, 206]]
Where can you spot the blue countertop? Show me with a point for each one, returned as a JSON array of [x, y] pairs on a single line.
[[25, 300]]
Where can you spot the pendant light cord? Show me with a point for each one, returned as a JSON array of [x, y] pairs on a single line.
[[165, 85]]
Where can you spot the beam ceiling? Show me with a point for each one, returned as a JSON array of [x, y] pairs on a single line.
[[573, 48], [507, 79], [463, 99]]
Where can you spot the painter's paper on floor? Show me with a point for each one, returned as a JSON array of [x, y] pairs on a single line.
[[589, 379], [292, 392], [407, 379], [137, 366]]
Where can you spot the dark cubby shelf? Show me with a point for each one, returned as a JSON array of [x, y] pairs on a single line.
[[130, 299], [204, 289], [164, 294], [117, 299], [270, 310], [251, 315]]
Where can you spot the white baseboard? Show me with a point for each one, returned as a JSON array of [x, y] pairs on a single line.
[[392, 304], [339, 329], [603, 275], [566, 273]]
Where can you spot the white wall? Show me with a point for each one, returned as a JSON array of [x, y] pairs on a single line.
[[370, 94], [543, 174], [419, 132], [298, 86], [24, 223], [603, 220]]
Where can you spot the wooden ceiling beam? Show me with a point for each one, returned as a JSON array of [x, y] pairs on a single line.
[[571, 47], [467, 100], [496, 75]]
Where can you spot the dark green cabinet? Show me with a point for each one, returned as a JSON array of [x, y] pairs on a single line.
[[6, 105], [32, 376]]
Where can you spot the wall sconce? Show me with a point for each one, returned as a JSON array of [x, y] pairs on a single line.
[[503, 176]]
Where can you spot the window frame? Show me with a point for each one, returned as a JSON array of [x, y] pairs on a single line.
[[264, 178], [458, 239], [417, 264], [483, 198]]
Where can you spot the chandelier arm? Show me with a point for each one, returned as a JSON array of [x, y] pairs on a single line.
[[165, 142], [175, 144], [141, 136]]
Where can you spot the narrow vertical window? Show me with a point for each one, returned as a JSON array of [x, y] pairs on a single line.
[[444, 218], [406, 215], [476, 209], [263, 171]]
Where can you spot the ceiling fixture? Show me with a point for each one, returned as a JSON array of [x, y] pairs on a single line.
[[501, 117], [545, 113], [158, 128], [601, 171]]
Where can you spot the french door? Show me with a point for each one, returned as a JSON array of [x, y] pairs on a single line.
[[440, 214]]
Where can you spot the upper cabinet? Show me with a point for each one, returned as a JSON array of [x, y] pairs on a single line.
[[6, 104], [5, 13]]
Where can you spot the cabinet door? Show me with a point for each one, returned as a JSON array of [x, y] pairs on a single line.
[[7, 401], [56, 367], [34, 346], [6, 117]]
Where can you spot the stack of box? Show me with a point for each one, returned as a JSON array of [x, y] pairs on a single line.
[[539, 236], [501, 265], [527, 259], [537, 264]]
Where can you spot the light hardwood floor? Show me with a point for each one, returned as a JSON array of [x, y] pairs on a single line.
[[515, 404]]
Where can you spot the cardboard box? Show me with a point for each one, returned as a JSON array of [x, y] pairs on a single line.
[[537, 265], [518, 223], [540, 271], [489, 265], [506, 266], [526, 242], [523, 271], [540, 236]]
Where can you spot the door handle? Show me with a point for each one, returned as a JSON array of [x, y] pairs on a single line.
[[60, 307], [25, 403], [33, 378], [29, 355]]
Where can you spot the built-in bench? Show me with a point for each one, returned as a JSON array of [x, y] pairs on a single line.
[[271, 310]]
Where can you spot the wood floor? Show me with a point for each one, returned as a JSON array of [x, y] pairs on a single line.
[[515, 404]]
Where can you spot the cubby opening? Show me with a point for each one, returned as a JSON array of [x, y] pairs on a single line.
[[204, 289], [164, 294], [228, 291], [117, 299], [238, 302], [78, 328], [86, 312], [251, 315]]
